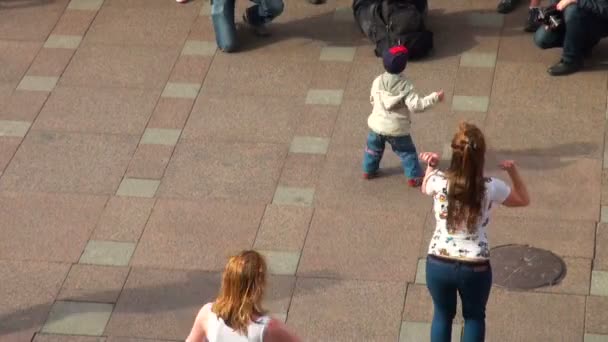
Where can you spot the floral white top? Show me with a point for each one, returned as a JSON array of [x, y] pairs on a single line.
[[458, 243]]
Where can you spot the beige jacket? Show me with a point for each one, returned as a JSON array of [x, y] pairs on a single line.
[[393, 98]]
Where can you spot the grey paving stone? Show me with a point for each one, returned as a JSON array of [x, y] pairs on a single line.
[[109, 253], [462, 103], [38, 83], [599, 283], [281, 262], [421, 272], [59, 41], [604, 214], [595, 338], [86, 5], [181, 90], [330, 97], [205, 9], [294, 196], [478, 59], [135, 187], [337, 54], [421, 332], [10, 128], [78, 318], [199, 48], [310, 145], [344, 14], [486, 20], [160, 136]]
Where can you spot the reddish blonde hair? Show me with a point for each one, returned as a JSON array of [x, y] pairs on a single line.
[[243, 283], [466, 184]]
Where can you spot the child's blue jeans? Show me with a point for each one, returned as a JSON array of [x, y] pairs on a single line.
[[403, 146]]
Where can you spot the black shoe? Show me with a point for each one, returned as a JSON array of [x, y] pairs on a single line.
[[532, 23], [506, 6], [563, 68], [316, 2], [258, 30], [587, 52]]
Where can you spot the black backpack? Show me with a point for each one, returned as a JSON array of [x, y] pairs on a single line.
[[396, 22]]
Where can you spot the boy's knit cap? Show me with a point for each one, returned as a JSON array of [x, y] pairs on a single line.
[[395, 59]]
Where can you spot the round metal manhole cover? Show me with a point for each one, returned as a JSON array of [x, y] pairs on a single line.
[[524, 267]]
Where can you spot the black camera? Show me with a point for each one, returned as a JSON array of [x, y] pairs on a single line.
[[550, 17]]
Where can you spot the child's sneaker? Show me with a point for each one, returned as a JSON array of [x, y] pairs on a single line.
[[414, 182], [370, 175]]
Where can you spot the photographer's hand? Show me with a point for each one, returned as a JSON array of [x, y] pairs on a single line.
[[562, 4]]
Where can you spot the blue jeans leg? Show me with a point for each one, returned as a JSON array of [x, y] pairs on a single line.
[[373, 152], [474, 289], [222, 15], [441, 280], [264, 11], [406, 150]]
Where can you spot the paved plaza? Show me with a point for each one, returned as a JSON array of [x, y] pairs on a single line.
[[135, 157]]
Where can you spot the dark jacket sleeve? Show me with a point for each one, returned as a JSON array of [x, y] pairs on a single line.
[[597, 7]]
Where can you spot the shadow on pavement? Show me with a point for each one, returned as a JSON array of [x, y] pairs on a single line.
[[199, 288]]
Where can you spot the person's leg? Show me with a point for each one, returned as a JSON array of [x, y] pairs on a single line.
[[264, 11], [578, 36], [547, 39], [373, 154], [532, 24], [475, 283], [222, 15], [506, 6], [440, 280], [406, 150]]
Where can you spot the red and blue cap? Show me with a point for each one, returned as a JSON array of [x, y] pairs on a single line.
[[395, 59]]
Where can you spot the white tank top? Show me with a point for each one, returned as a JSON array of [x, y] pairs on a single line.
[[218, 331]]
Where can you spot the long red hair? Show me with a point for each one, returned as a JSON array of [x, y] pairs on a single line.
[[243, 283], [466, 183]]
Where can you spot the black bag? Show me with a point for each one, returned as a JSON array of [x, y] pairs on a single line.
[[395, 22]]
